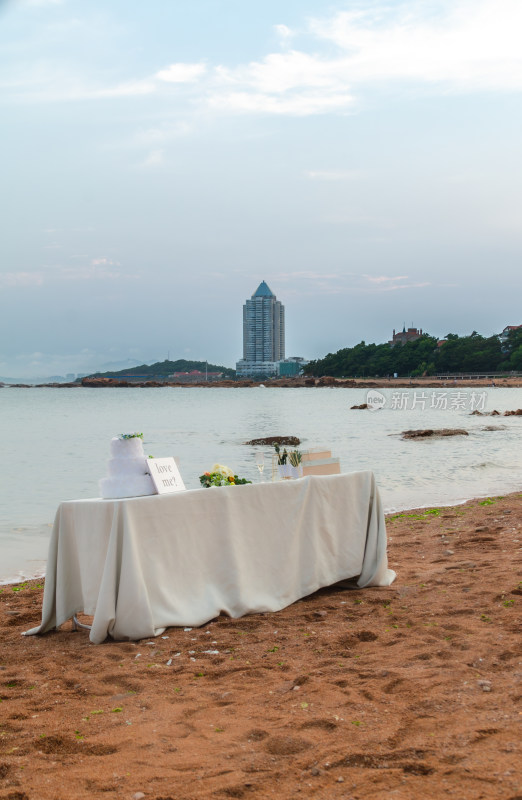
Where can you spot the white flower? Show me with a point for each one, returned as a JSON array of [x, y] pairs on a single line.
[[225, 471]]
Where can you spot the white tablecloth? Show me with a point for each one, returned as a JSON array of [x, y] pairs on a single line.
[[142, 564]]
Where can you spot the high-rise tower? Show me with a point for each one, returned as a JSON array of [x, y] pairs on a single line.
[[263, 333]]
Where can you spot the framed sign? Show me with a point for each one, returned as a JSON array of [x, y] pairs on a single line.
[[165, 474]]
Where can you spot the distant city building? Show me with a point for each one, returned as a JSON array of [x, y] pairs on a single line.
[[256, 369], [291, 366], [405, 336], [263, 334]]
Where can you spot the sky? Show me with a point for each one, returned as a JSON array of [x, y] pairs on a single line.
[[161, 159]]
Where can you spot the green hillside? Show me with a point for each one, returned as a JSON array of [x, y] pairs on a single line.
[[424, 356], [164, 368]]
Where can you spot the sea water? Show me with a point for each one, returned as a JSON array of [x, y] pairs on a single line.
[[55, 445]]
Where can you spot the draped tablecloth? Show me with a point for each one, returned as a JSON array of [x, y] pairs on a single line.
[[142, 564]]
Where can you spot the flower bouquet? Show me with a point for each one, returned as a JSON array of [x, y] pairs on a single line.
[[220, 475]]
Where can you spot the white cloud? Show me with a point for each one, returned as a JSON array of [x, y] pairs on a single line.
[[97, 269], [301, 104], [280, 72], [283, 33], [309, 275], [25, 279], [154, 159], [471, 44], [396, 287], [385, 278], [130, 89], [104, 262], [333, 174], [451, 45], [468, 46], [181, 73]]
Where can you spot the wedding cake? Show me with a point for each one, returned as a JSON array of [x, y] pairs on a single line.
[[128, 474]]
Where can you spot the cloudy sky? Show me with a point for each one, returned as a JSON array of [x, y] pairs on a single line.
[[161, 158]]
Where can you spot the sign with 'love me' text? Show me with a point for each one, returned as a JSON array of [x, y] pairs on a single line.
[[165, 474]]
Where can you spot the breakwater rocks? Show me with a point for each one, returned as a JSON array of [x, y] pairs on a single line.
[[495, 413], [425, 434], [271, 440]]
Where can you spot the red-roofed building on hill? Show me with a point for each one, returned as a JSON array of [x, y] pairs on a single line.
[[507, 330], [405, 336]]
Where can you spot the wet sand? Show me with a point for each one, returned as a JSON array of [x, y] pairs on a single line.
[[409, 691]]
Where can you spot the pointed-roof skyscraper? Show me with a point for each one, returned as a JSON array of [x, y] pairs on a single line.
[[263, 290], [263, 332]]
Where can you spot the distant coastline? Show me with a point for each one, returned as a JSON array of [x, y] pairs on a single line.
[[283, 383]]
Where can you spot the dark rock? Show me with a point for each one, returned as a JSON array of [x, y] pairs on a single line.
[[424, 434], [271, 440], [363, 405], [517, 413], [327, 381]]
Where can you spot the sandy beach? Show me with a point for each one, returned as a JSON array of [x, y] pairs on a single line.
[[408, 691]]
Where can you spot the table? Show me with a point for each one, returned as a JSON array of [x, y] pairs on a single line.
[[140, 565]]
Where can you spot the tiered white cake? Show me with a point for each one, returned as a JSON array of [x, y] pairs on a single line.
[[128, 474]]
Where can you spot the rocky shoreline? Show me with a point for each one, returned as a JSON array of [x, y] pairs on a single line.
[[284, 383]]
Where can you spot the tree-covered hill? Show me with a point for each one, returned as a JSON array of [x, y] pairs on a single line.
[[166, 367], [472, 353]]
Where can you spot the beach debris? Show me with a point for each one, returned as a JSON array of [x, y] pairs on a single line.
[[187, 629], [138, 796], [211, 652], [169, 662], [271, 440], [424, 434]]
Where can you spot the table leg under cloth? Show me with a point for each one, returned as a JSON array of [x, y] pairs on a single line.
[[140, 565]]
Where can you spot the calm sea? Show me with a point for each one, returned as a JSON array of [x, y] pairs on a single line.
[[55, 444]]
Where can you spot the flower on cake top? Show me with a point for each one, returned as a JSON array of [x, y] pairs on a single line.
[[130, 436], [225, 471]]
